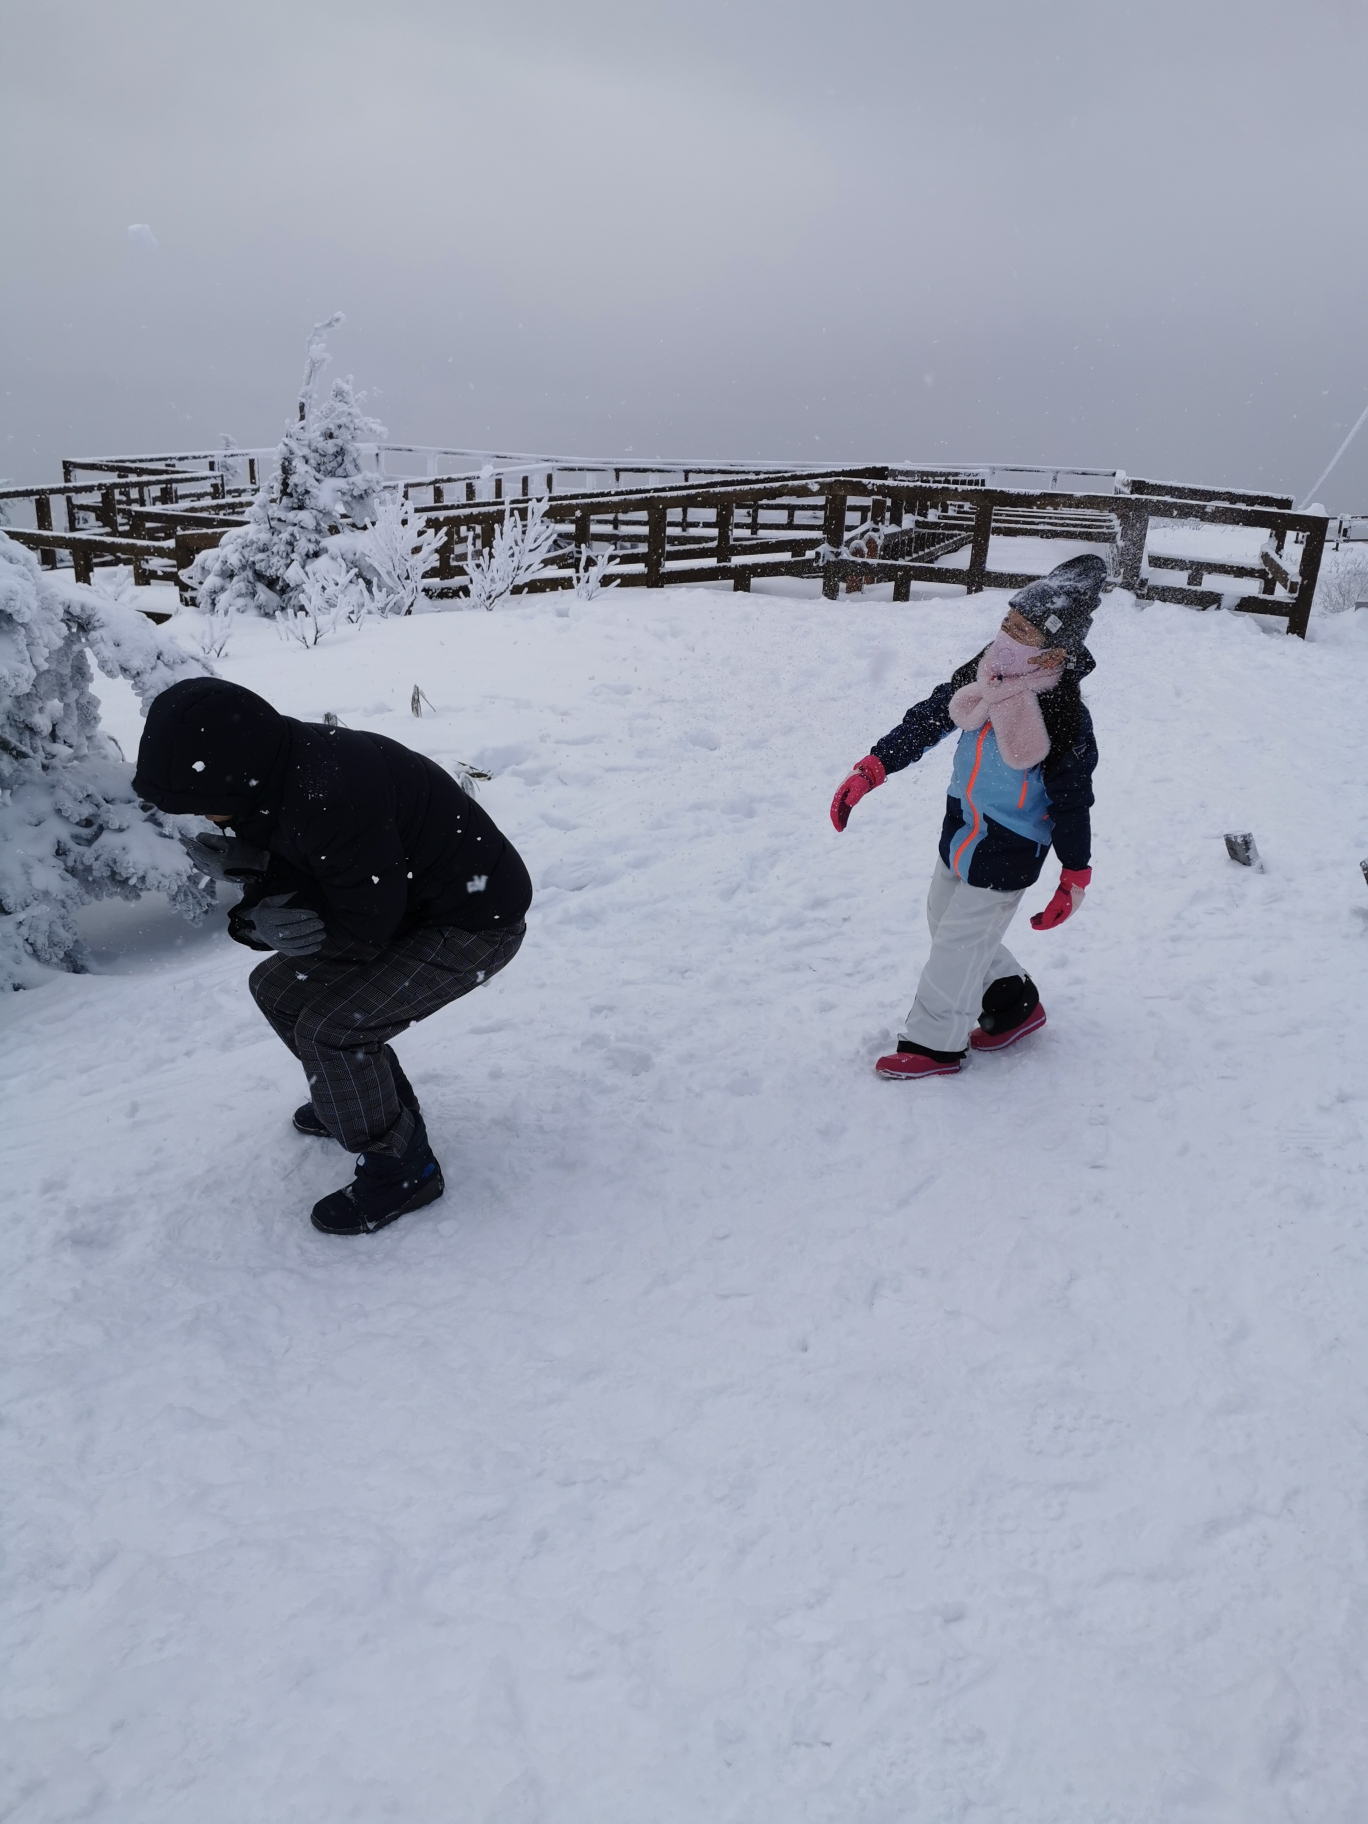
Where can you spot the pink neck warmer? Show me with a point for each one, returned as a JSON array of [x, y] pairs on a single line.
[[1005, 694]]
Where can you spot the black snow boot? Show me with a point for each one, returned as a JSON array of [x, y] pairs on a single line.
[[1008, 1003], [306, 1119], [386, 1186]]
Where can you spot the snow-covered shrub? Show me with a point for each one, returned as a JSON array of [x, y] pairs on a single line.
[[521, 547], [212, 632], [320, 487], [326, 595], [115, 585], [71, 829], [394, 553], [594, 572], [1343, 580]]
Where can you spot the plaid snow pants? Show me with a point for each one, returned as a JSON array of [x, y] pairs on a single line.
[[338, 1017]]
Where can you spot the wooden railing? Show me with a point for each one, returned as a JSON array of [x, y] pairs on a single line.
[[850, 527]]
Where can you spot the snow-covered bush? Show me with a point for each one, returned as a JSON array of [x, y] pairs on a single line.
[[594, 572], [213, 630], [328, 593], [394, 553], [320, 487], [1343, 580], [115, 585], [71, 829], [521, 547]]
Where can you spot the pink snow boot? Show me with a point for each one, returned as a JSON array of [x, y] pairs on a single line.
[[1011, 1009], [910, 1061], [999, 1041]]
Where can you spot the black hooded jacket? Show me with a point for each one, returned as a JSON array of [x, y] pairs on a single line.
[[375, 838]]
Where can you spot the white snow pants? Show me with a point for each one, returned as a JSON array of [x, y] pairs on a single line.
[[967, 953]]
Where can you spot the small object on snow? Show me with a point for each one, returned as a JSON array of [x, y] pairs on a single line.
[[331, 719], [417, 700], [1241, 847], [1364, 865]]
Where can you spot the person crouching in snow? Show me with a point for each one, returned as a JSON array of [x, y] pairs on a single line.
[[1021, 784], [383, 889]]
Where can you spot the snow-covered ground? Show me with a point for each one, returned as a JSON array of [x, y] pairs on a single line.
[[743, 1437]]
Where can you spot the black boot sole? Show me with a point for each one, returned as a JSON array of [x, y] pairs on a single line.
[[340, 1214]]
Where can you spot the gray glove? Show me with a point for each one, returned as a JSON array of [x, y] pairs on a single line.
[[225, 858], [207, 854], [293, 930]]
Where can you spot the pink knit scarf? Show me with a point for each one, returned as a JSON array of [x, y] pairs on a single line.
[[1005, 694]]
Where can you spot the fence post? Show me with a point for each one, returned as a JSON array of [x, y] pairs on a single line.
[[42, 514], [833, 533], [1130, 549], [655, 544], [725, 509], [1312, 552], [978, 551]]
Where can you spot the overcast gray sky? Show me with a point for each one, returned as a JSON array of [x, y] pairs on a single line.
[[1066, 232]]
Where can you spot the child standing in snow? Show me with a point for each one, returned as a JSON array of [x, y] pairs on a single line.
[[1021, 784]]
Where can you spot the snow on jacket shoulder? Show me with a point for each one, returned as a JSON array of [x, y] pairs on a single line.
[[1001, 821]]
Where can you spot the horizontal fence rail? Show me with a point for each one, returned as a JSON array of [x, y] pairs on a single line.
[[715, 523]]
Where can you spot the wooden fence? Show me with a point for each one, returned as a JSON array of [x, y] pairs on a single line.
[[712, 524]]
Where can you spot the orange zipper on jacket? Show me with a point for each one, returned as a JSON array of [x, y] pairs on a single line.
[[969, 796]]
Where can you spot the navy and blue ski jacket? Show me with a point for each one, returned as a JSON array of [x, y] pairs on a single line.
[[1001, 821]]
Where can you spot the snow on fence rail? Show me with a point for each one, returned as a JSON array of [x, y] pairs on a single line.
[[715, 522]]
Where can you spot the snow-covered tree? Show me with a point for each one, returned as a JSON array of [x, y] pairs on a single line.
[[320, 487], [521, 547], [71, 829]]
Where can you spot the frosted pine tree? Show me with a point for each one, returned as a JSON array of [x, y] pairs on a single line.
[[320, 487], [71, 829]]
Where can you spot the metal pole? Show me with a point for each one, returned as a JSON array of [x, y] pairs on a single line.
[[1334, 459]]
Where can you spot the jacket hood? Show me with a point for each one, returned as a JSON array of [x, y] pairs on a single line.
[[1063, 603], [210, 748]]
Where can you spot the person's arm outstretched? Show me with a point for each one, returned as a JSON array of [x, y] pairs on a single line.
[[921, 728]]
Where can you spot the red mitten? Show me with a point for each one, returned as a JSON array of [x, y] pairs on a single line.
[[868, 773], [1073, 883]]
